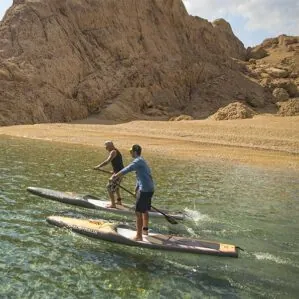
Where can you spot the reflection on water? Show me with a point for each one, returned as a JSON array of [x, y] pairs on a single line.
[[250, 207]]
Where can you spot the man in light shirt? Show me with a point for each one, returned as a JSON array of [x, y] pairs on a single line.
[[144, 189]]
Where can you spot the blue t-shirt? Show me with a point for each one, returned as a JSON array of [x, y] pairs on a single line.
[[143, 174]]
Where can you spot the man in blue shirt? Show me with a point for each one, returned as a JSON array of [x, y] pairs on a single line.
[[144, 189]]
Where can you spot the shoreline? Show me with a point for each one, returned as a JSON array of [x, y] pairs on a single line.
[[265, 141]]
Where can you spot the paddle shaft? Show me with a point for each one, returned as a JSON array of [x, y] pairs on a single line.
[[168, 218], [103, 170]]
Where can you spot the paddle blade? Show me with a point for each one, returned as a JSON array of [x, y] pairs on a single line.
[[167, 217], [170, 219]]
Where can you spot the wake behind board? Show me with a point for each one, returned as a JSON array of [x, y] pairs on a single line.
[[122, 234], [92, 202]]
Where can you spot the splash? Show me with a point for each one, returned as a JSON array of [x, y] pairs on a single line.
[[270, 257], [196, 216]]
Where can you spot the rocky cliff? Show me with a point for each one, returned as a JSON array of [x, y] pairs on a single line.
[[275, 65], [63, 60]]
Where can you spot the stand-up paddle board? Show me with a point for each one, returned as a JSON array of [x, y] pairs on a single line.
[[123, 234], [93, 202]]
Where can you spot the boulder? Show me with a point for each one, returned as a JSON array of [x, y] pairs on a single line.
[[280, 94], [288, 84], [277, 72]]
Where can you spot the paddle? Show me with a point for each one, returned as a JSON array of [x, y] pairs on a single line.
[[103, 170], [167, 217]]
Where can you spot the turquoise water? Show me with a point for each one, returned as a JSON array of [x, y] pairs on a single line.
[[253, 208]]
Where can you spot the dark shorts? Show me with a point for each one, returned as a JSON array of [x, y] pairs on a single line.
[[144, 201], [112, 186]]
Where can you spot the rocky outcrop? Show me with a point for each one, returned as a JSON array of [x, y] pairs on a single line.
[[278, 70], [256, 53], [63, 60]]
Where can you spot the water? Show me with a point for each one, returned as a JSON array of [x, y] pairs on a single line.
[[253, 208]]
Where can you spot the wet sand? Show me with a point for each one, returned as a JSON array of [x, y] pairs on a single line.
[[266, 141]]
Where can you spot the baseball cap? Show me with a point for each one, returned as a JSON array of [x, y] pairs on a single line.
[[136, 148]]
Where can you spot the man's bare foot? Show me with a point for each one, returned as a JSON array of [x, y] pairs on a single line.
[[111, 206], [137, 238]]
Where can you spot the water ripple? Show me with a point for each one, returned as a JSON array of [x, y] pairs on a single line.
[[252, 208]]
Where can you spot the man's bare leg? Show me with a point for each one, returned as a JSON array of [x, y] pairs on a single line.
[[111, 195], [145, 219], [118, 198], [138, 226]]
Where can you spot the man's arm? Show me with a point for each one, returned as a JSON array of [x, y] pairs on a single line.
[[127, 169], [108, 160]]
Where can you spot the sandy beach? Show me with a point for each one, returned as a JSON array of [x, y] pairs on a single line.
[[265, 140]]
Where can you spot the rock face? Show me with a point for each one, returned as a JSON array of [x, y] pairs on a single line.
[[63, 60], [278, 70]]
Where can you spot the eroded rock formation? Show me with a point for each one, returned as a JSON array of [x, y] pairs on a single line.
[[63, 60], [278, 71]]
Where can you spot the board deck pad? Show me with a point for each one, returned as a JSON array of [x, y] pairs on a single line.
[[123, 234]]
